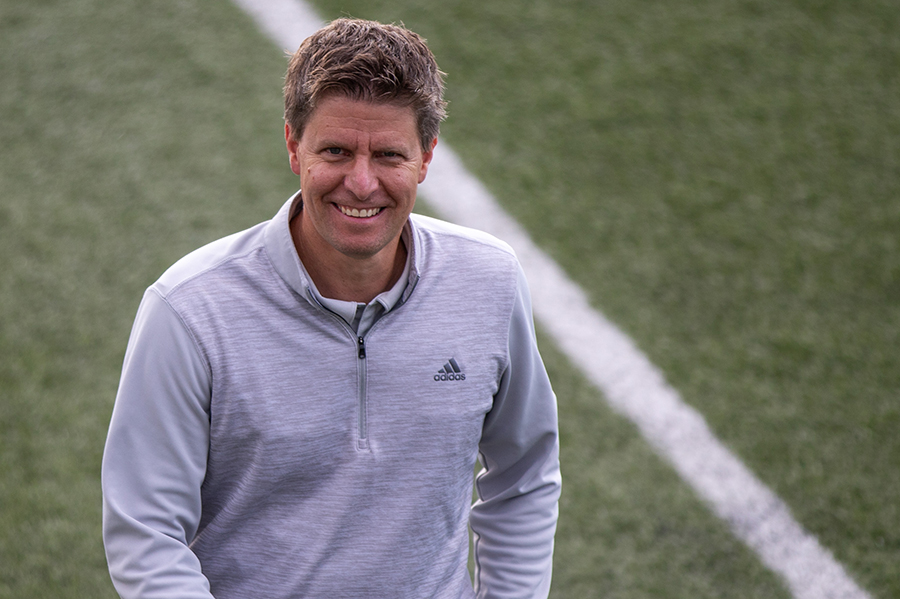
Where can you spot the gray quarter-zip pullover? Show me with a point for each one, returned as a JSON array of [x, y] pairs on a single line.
[[260, 447]]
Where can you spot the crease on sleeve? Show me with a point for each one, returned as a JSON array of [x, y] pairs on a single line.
[[514, 519], [155, 458]]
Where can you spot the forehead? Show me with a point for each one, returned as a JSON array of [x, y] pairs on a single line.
[[346, 117]]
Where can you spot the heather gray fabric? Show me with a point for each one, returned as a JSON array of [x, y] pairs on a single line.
[[259, 448]]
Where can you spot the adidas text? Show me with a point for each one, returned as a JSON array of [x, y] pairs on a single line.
[[450, 377]]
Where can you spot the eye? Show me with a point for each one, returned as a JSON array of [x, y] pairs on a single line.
[[334, 151]]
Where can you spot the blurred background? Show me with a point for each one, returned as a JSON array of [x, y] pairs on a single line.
[[722, 177]]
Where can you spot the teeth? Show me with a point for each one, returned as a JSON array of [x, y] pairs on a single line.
[[360, 213]]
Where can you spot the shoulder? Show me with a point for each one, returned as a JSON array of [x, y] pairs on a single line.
[[465, 266], [447, 238], [211, 259]]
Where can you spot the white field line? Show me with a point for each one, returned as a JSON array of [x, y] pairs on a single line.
[[633, 386]]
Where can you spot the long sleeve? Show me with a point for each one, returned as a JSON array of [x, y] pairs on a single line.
[[155, 460], [514, 520]]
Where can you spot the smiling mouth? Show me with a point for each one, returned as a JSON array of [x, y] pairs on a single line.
[[359, 213]]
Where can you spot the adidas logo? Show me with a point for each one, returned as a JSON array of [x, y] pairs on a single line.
[[450, 372]]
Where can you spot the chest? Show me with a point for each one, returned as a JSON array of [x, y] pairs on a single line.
[[302, 388]]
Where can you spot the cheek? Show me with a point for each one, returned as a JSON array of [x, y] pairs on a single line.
[[319, 176], [402, 182]]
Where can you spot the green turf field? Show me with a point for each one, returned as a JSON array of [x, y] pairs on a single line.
[[722, 177]]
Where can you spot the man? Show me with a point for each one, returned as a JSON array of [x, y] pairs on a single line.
[[302, 403]]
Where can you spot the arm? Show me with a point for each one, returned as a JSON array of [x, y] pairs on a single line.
[[155, 460], [514, 519]]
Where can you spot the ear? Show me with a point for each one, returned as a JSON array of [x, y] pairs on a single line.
[[426, 160], [293, 148]]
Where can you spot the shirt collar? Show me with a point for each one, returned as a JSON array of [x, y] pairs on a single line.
[[284, 258]]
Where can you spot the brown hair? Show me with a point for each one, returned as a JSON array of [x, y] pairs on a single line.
[[365, 60]]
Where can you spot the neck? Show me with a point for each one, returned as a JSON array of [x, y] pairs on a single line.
[[348, 278]]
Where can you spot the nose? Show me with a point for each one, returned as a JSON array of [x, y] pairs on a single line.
[[361, 180]]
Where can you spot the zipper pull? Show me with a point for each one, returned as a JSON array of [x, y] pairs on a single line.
[[361, 344]]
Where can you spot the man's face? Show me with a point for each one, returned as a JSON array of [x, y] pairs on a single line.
[[359, 165]]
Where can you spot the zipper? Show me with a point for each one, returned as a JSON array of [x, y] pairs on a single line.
[[362, 441]]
